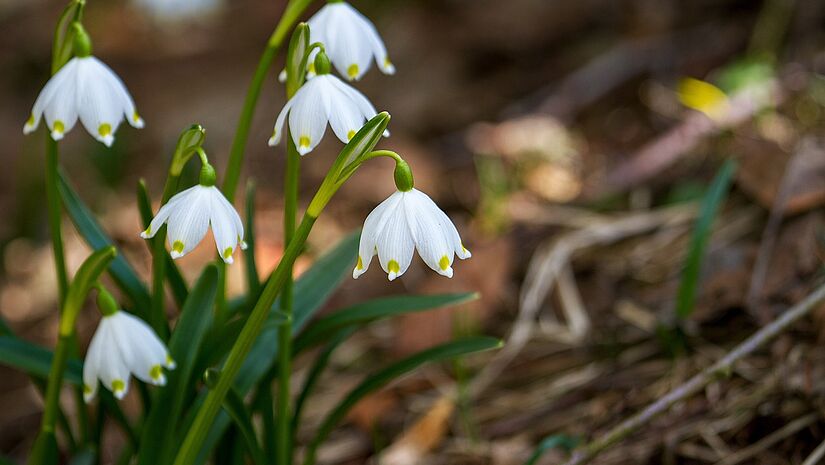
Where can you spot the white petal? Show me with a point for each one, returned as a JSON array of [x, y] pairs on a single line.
[[372, 227], [147, 352], [98, 104], [360, 100], [223, 226], [91, 365], [56, 84], [394, 242], [309, 114], [233, 215], [279, 123], [117, 85], [345, 117], [61, 109], [165, 211], [188, 223], [379, 51], [430, 234], [348, 48], [113, 371]]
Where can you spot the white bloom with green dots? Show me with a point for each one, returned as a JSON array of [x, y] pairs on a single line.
[[323, 100], [403, 222], [189, 214], [123, 345], [87, 89]]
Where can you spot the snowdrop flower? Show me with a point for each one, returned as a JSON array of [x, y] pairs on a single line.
[[321, 100], [351, 41], [86, 88], [405, 221], [188, 214], [179, 10], [124, 345]]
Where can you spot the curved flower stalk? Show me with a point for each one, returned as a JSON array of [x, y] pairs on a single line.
[[189, 214], [408, 220], [87, 89], [323, 100], [351, 40], [123, 345]]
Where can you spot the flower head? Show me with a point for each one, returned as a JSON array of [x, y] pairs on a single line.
[[350, 39], [188, 215], [124, 345], [86, 88], [321, 100], [403, 222]]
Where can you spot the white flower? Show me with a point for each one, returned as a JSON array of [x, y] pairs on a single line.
[[179, 10], [406, 221], [86, 88], [189, 214], [350, 40], [324, 99], [124, 345]]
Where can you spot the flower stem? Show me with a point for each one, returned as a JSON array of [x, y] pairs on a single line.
[[203, 421], [157, 315], [233, 168], [54, 212], [283, 445]]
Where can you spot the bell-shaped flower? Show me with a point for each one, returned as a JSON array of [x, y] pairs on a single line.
[[123, 345], [350, 39], [321, 100], [189, 214], [403, 222], [84, 88]]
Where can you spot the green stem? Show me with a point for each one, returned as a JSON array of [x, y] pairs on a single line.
[[54, 212], [157, 315], [283, 446], [236, 155], [203, 421]]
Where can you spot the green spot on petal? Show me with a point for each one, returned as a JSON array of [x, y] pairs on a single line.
[[444, 263], [104, 129], [303, 142], [87, 389], [352, 71], [58, 127], [135, 116], [30, 121], [177, 246], [170, 361], [227, 253], [118, 386], [312, 67], [393, 267], [350, 134], [155, 372], [360, 264]]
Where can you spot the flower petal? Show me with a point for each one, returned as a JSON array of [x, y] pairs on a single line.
[[188, 223], [278, 130], [309, 114], [394, 242], [98, 104]]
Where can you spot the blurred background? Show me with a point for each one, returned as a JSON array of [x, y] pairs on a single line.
[[565, 140]]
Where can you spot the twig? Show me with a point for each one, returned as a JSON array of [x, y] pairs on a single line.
[[816, 456], [769, 440], [699, 381]]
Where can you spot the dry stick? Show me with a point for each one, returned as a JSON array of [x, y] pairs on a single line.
[[786, 431], [816, 456], [698, 382]]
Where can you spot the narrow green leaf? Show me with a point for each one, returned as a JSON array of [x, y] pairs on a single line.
[[85, 457], [234, 406], [366, 312], [296, 58], [5, 329], [35, 360], [562, 441], [253, 281], [380, 379], [161, 426], [173, 276], [711, 204], [86, 277], [122, 273]]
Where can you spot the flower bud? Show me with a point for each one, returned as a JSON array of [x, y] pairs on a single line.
[[81, 43], [208, 175], [403, 176], [322, 65], [106, 302]]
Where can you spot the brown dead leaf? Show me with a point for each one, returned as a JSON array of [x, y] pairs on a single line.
[[370, 410], [422, 437]]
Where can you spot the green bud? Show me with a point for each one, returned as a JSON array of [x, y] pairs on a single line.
[[81, 43], [106, 302], [208, 176], [322, 65], [403, 176], [211, 376]]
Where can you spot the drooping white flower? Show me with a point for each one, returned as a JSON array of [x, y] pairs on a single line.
[[190, 213], [324, 99], [86, 88], [350, 40], [123, 345], [403, 222], [179, 10]]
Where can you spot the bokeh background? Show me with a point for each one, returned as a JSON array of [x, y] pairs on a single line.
[[553, 133]]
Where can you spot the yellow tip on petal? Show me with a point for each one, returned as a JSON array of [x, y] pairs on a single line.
[[444, 263], [312, 67], [30, 121], [177, 247], [303, 142], [118, 388], [87, 390], [352, 71], [104, 130], [393, 267], [58, 127], [702, 96], [147, 233], [227, 253], [360, 264], [350, 134], [135, 116], [170, 362], [156, 372]]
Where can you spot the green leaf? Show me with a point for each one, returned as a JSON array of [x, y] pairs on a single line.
[[35, 360], [252, 279], [161, 426], [567, 443], [234, 406], [366, 312], [173, 276], [296, 58], [84, 457], [711, 204], [5, 329], [380, 379], [83, 281], [122, 273]]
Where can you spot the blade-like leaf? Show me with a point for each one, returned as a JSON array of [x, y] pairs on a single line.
[[711, 204], [35, 360], [252, 279], [173, 276], [365, 312], [380, 379], [234, 406], [160, 428], [122, 273], [296, 58]]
